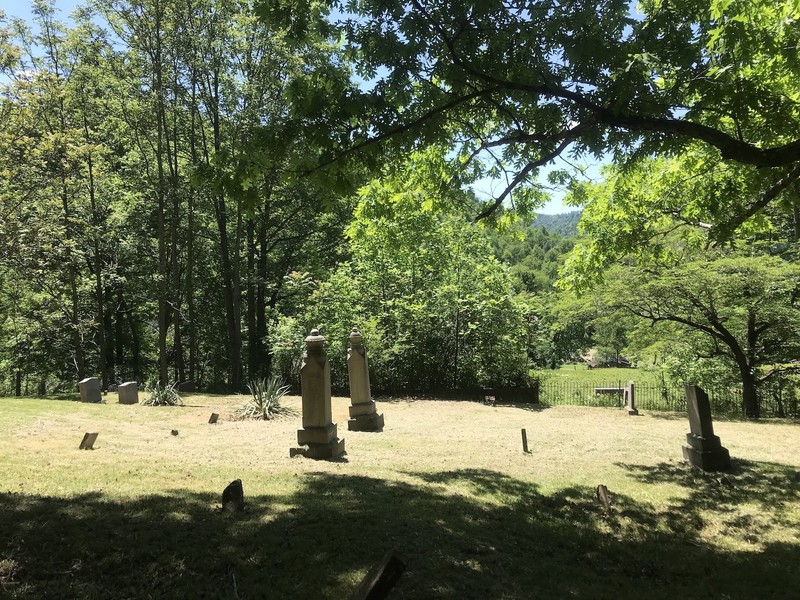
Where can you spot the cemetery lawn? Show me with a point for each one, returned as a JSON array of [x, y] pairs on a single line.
[[445, 484], [579, 373]]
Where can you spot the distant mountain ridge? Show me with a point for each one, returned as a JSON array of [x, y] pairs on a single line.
[[564, 224]]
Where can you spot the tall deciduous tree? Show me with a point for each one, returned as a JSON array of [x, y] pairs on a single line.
[[742, 309], [439, 311], [520, 84]]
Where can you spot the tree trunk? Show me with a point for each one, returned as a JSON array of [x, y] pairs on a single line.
[[229, 252], [229, 293], [190, 290], [750, 405], [80, 361], [263, 357], [99, 290], [180, 365], [192, 326], [163, 261], [251, 278], [135, 344], [119, 347]]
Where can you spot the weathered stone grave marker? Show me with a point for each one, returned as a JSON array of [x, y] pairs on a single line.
[[703, 448], [363, 413], [213, 418], [128, 392], [381, 578], [319, 430], [88, 441], [525, 442], [630, 399], [603, 497], [187, 386], [233, 497], [90, 389]]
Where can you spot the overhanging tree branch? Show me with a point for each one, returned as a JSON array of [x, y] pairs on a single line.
[[404, 128], [523, 173]]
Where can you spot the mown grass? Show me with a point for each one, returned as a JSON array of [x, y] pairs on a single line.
[[579, 373], [445, 484]]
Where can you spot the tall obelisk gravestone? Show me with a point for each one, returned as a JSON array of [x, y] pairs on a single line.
[[363, 413], [704, 449], [319, 430]]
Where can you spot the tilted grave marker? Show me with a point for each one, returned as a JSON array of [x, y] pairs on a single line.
[[703, 448], [603, 497], [87, 443], [381, 578]]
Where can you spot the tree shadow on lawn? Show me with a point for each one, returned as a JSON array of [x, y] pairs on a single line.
[[682, 416], [773, 487], [465, 534]]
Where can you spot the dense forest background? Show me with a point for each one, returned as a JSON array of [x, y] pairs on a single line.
[[180, 200], [154, 226]]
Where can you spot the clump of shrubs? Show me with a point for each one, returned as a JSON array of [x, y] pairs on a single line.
[[162, 395], [265, 402]]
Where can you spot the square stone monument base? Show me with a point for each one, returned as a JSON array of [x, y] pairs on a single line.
[[373, 422], [364, 417], [706, 453], [321, 442]]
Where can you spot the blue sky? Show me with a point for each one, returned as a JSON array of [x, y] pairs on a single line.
[[484, 189], [22, 8]]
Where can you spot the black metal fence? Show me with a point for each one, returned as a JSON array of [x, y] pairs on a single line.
[[778, 400]]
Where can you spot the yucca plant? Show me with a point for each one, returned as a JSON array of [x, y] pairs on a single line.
[[162, 395], [266, 399]]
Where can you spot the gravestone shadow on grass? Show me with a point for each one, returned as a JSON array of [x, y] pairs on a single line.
[[522, 544]]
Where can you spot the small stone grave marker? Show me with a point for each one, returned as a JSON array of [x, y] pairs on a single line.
[[525, 442], [88, 441], [630, 399], [213, 418], [381, 578], [187, 386], [233, 497], [90, 389], [128, 392], [603, 497]]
